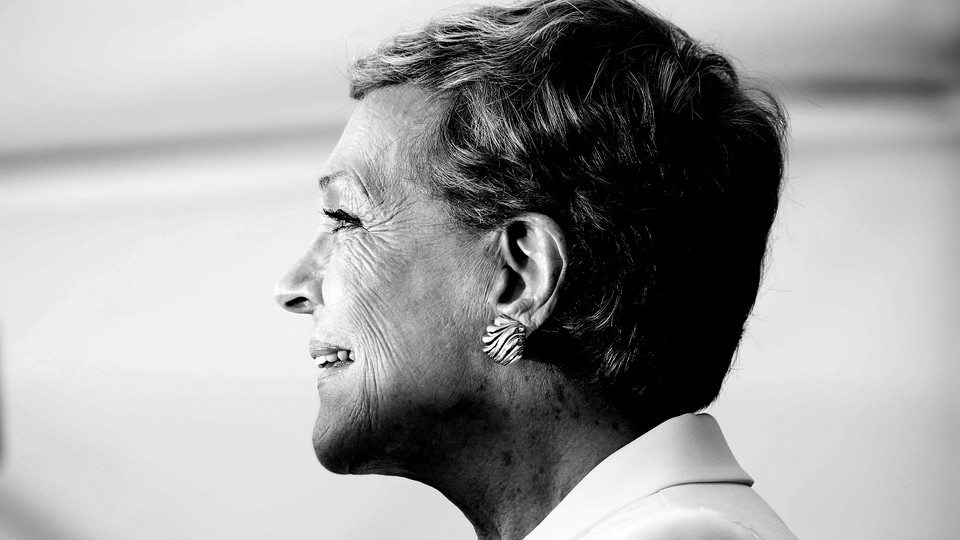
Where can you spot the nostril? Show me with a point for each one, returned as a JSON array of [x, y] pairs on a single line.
[[297, 304], [299, 290]]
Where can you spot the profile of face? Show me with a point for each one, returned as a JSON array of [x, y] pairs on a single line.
[[397, 294]]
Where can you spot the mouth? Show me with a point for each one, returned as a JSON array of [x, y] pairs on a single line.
[[328, 355]]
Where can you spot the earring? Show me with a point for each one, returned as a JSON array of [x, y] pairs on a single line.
[[503, 340]]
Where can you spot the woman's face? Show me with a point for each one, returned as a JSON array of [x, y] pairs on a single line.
[[397, 294]]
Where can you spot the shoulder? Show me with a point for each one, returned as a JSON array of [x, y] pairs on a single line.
[[694, 512], [653, 519]]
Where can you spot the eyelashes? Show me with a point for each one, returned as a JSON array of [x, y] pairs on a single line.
[[344, 220]]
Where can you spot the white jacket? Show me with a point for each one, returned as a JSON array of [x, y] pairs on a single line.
[[677, 481]]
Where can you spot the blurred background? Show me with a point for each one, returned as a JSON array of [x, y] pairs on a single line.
[[157, 173]]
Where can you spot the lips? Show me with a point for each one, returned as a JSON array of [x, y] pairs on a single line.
[[329, 355]]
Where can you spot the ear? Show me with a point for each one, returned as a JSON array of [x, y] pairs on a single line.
[[533, 254]]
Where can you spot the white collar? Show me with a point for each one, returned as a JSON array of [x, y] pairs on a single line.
[[685, 449]]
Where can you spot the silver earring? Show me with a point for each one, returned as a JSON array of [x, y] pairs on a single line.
[[503, 340]]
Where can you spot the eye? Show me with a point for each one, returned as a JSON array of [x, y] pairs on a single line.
[[344, 220]]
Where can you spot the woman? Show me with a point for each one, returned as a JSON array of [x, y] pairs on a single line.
[[542, 232]]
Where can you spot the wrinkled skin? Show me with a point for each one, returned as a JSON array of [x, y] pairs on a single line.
[[396, 284], [392, 280]]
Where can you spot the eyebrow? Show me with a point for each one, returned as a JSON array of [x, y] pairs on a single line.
[[326, 179]]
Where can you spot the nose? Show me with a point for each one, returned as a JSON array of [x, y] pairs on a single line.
[[299, 290]]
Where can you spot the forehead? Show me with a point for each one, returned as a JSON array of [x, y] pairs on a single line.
[[379, 139]]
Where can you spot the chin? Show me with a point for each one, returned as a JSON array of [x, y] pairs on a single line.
[[334, 450], [347, 451]]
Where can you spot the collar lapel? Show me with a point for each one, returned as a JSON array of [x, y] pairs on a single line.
[[685, 449]]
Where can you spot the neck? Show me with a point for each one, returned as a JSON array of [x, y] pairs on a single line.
[[513, 466]]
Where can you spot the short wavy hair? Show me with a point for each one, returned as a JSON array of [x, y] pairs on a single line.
[[662, 167]]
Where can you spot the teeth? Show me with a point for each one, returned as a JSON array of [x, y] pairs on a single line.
[[330, 359]]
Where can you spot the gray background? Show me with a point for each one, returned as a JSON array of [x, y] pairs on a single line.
[[157, 173]]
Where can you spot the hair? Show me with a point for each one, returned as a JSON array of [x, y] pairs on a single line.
[[661, 166]]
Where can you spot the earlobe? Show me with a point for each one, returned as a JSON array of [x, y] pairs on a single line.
[[533, 251]]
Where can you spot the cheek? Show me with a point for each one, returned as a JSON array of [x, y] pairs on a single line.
[[332, 287], [353, 266], [405, 309], [406, 313], [367, 293]]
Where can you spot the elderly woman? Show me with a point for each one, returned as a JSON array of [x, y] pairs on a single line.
[[542, 233]]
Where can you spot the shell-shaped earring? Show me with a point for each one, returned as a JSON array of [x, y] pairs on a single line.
[[503, 340]]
